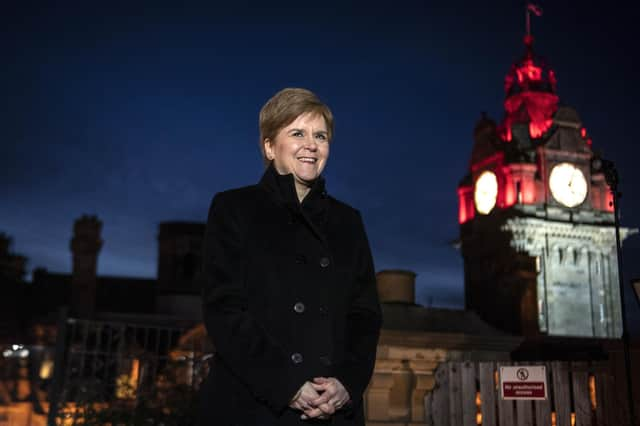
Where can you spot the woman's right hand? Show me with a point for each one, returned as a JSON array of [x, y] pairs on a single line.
[[302, 402]]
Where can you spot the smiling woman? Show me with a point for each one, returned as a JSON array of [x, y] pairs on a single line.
[[302, 149], [289, 291], [295, 129]]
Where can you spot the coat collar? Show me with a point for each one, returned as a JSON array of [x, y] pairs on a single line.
[[314, 207], [283, 188]]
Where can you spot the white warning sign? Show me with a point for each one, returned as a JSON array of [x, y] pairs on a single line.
[[523, 382]]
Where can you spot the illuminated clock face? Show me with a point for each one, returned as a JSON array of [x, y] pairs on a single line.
[[568, 184], [486, 192]]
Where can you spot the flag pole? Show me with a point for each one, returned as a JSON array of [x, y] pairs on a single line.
[[529, 9]]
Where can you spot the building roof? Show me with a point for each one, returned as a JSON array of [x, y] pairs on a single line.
[[50, 290], [401, 316]]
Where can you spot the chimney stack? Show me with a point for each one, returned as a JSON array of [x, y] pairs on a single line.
[[85, 246], [396, 286], [5, 243], [12, 266]]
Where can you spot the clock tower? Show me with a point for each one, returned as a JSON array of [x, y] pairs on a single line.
[[536, 217]]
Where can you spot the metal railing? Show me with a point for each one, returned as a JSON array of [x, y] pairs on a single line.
[[127, 370]]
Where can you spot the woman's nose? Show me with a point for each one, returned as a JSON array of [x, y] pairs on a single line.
[[311, 144]]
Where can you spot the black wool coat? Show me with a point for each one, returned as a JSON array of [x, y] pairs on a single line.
[[289, 294]]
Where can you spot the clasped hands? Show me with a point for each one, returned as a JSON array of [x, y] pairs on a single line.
[[320, 398]]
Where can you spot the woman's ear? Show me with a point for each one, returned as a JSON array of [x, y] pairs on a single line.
[[268, 149]]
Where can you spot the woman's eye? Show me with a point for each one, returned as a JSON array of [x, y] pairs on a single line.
[[321, 136], [297, 134]]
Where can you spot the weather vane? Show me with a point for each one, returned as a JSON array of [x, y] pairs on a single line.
[[536, 10]]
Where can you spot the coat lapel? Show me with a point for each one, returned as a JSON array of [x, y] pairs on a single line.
[[314, 208]]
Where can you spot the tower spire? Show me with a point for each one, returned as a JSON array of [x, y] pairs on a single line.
[[536, 10]]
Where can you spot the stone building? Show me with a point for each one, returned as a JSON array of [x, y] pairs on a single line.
[[173, 293]]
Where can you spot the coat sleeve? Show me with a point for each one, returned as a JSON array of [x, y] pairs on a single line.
[[241, 343], [364, 319]]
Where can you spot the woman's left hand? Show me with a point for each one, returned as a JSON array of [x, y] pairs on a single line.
[[332, 392]]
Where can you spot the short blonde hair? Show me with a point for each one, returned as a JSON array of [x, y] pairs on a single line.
[[284, 107]]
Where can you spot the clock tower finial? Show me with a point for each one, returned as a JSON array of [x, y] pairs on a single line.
[[536, 10], [530, 90]]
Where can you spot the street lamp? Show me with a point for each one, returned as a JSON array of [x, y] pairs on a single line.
[[612, 178], [635, 283]]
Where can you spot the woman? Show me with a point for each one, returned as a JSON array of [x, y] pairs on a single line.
[[289, 294]]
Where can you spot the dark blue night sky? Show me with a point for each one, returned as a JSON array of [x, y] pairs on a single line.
[[139, 113]]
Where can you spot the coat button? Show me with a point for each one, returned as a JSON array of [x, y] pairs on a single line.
[[325, 360], [301, 259], [299, 307], [324, 262], [324, 311], [296, 358]]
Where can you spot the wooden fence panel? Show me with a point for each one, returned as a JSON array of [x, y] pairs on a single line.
[[469, 390], [618, 370], [612, 405], [607, 405], [543, 408], [455, 394], [488, 388], [581, 401], [524, 413], [438, 411], [601, 401], [453, 401], [561, 393], [506, 415]]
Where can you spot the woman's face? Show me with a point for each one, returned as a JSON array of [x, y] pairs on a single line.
[[301, 148]]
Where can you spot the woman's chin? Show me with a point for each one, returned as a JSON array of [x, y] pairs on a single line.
[[306, 178]]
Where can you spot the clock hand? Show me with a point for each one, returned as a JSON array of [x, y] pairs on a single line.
[[573, 175]]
